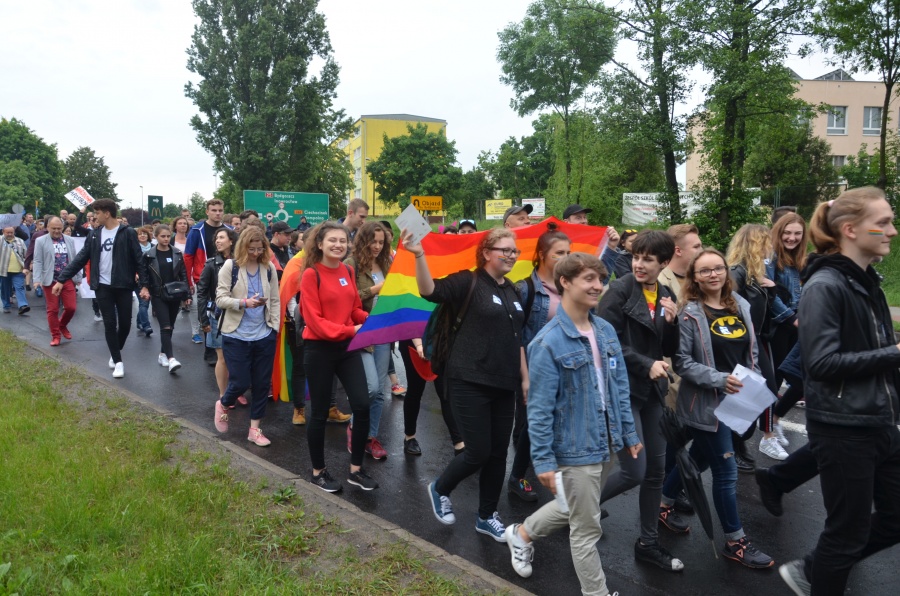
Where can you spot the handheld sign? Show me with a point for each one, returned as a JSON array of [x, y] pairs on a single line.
[[79, 197], [414, 223]]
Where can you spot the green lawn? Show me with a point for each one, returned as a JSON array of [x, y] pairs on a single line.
[[98, 496], [890, 269]]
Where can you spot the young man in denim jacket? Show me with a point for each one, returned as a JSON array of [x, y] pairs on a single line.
[[578, 405]]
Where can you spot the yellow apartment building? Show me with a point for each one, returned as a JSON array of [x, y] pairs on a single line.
[[365, 144], [854, 117]]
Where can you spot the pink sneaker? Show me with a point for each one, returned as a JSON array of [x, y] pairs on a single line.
[[221, 417], [350, 438], [374, 448], [242, 400], [256, 436]]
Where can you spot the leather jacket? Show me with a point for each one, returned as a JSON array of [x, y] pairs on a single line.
[[206, 288], [178, 270], [761, 299]]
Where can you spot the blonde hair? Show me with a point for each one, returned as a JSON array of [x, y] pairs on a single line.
[[750, 247], [489, 241], [789, 258], [248, 235], [850, 207]]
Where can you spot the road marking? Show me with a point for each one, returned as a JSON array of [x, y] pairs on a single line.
[[794, 427]]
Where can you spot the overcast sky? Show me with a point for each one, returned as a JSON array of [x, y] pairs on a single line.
[[110, 74]]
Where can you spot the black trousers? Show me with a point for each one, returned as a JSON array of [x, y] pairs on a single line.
[[115, 308], [412, 403], [799, 468], [325, 360], [783, 341], [166, 313], [856, 471], [485, 417]]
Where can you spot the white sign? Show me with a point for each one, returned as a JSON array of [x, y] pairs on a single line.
[[10, 219], [413, 222], [84, 288], [739, 410], [640, 208], [79, 197], [539, 207]]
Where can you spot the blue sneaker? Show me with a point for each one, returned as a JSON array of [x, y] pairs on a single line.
[[38, 291], [441, 506], [197, 339], [491, 526]]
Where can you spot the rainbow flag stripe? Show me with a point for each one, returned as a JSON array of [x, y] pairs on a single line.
[[401, 313]]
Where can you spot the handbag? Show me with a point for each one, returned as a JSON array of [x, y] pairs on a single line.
[[176, 290]]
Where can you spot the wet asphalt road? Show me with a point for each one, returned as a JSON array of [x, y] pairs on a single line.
[[191, 393]]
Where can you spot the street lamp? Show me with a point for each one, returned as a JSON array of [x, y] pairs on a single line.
[[142, 206]]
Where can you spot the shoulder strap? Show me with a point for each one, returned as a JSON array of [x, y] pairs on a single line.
[[465, 305], [529, 303], [234, 273]]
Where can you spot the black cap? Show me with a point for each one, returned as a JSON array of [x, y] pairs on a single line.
[[280, 226], [573, 209], [467, 222], [527, 208]]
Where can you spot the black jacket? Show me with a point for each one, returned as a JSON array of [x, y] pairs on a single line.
[[760, 300], [206, 288], [179, 273], [126, 262], [847, 344], [644, 340]]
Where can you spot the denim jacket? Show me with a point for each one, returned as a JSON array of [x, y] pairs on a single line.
[[787, 282], [701, 382], [540, 309], [566, 423]]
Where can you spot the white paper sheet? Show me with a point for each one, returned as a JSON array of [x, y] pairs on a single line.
[[740, 410], [560, 494], [412, 221]]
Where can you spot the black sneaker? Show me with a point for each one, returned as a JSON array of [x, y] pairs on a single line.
[[522, 489], [411, 446], [657, 555], [326, 482], [745, 465], [24, 309], [683, 504], [672, 520], [768, 493], [604, 513], [362, 480], [746, 554]]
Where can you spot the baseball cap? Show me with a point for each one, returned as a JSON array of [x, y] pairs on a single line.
[[280, 226], [468, 222], [573, 209], [528, 208]]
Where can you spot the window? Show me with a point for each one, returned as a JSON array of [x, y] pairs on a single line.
[[356, 132], [357, 152], [871, 121], [357, 194], [837, 120], [358, 174], [838, 161], [343, 143]]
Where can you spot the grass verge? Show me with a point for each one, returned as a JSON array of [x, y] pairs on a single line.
[[890, 269], [100, 496]]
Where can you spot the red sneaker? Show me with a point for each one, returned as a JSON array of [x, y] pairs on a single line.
[[54, 342], [65, 332], [374, 448], [221, 417]]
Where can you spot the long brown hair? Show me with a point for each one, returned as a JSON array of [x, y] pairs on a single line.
[[312, 254], [248, 235], [850, 206], [363, 255], [690, 289], [545, 243], [789, 258]]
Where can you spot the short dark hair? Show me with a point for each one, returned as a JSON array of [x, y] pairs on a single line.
[[655, 243], [571, 266], [107, 206], [247, 213]]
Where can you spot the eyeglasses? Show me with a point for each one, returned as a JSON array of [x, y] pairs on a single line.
[[509, 252], [256, 251], [720, 270]]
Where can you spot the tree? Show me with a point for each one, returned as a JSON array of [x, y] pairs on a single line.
[[171, 211], [197, 206], [84, 168], [865, 35], [522, 168], [134, 216], [863, 169], [552, 57], [475, 188], [265, 118], [30, 170], [420, 163]]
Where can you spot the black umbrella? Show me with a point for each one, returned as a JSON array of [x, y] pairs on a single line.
[[677, 435]]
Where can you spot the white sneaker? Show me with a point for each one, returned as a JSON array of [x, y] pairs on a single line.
[[112, 363], [163, 361], [173, 365], [771, 448], [522, 552], [119, 371], [98, 318], [779, 434]]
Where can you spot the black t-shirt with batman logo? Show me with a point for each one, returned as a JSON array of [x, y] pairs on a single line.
[[730, 339]]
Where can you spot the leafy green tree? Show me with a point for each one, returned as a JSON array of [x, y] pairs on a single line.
[[85, 168], [475, 188], [171, 211], [264, 116], [522, 168], [197, 206], [865, 35], [134, 216], [231, 194], [552, 57], [863, 169], [420, 163], [30, 170]]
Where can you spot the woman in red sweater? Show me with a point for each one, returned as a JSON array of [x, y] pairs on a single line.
[[333, 314]]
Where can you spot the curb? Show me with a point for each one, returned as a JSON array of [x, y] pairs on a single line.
[[304, 488]]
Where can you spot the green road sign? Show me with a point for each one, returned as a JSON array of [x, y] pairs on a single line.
[[155, 206], [287, 206]]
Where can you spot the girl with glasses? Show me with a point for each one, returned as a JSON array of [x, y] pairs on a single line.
[[715, 334]]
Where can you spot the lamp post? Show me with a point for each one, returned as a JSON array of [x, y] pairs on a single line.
[[142, 206]]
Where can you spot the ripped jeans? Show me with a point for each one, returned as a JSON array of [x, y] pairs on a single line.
[[715, 451]]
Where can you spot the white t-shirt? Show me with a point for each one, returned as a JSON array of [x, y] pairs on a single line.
[[107, 239], [598, 365]]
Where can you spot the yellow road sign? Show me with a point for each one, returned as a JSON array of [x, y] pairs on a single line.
[[427, 203], [495, 208]]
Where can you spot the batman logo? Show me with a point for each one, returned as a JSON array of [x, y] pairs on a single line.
[[729, 327]]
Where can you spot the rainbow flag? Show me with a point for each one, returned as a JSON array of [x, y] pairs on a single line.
[[401, 313], [288, 287]]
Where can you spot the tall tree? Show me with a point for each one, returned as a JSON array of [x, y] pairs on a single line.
[[420, 163], [171, 211], [552, 57], [197, 206], [85, 168], [522, 168], [266, 118], [863, 169], [474, 188], [30, 170], [865, 34]]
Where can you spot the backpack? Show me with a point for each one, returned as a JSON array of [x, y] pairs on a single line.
[[441, 328], [529, 300], [218, 313]]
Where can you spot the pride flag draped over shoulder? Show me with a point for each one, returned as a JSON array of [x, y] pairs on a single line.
[[288, 288], [401, 313]]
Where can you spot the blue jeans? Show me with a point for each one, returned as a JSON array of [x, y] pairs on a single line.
[[376, 365], [143, 317], [13, 282], [713, 450], [249, 363]]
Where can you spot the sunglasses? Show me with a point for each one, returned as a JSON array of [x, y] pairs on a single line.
[[467, 221], [630, 232]]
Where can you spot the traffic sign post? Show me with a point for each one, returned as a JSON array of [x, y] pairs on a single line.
[[155, 206], [289, 207]]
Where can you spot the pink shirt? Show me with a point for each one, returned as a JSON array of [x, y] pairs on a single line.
[[598, 366]]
